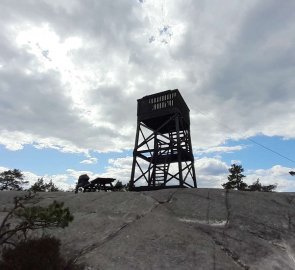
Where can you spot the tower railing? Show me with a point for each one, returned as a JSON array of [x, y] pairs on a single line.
[[161, 104]]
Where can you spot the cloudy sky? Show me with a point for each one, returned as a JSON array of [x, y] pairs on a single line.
[[72, 70]]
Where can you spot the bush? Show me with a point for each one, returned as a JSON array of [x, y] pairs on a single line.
[[31, 218], [35, 254], [256, 186], [41, 186], [269, 188], [22, 253], [119, 186]]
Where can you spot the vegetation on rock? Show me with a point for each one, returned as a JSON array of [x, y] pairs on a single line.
[[41, 186], [34, 254], [235, 178], [235, 181], [119, 186], [12, 180], [22, 219], [256, 186], [19, 250]]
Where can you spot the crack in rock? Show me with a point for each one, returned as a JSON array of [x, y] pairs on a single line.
[[258, 235], [214, 257], [208, 208], [289, 216], [94, 246], [227, 206], [168, 200], [113, 234], [230, 254]]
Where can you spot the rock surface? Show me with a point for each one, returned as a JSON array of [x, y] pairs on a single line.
[[177, 229]]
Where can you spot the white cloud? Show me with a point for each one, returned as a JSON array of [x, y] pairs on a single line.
[[120, 169], [210, 166], [235, 161], [220, 149], [15, 140], [91, 160], [210, 172], [3, 169]]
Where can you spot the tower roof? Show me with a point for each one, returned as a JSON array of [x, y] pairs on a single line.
[[155, 109]]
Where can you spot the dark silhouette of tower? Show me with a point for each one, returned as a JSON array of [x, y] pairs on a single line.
[[162, 156]]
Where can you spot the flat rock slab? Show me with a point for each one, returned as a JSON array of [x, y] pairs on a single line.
[[176, 228]]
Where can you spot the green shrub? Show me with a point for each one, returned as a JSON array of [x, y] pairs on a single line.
[[35, 254], [256, 186], [22, 219], [41, 186]]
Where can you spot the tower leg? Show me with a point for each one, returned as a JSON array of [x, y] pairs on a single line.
[[179, 150], [154, 158], [154, 153], [194, 174], [131, 183], [193, 161]]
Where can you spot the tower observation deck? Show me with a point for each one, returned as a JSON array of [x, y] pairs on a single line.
[[162, 156]]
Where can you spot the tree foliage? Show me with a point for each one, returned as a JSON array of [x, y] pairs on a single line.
[[30, 218], [34, 254], [22, 252], [119, 186], [12, 180], [257, 186], [235, 181], [42, 253], [41, 186], [127, 186], [235, 178]]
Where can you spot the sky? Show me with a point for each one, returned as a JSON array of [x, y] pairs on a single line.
[[71, 72]]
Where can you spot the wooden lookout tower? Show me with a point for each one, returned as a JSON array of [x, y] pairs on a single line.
[[162, 156]]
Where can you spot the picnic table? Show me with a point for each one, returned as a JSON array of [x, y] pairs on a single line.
[[98, 184]]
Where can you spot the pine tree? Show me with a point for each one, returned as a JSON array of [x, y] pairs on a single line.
[[119, 186], [235, 178], [31, 218], [256, 186], [12, 180], [41, 186], [51, 187]]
